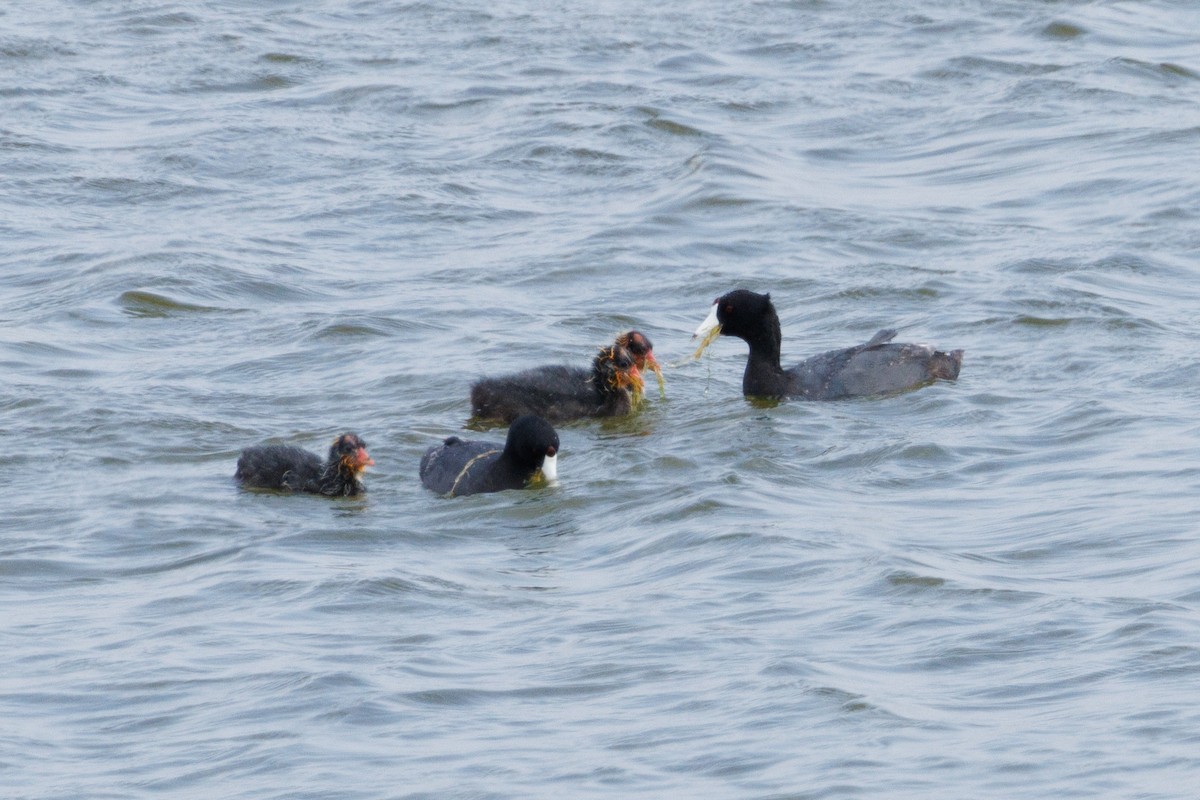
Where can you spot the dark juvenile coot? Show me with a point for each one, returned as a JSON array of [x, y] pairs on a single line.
[[294, 469], [879, 366], [458, 467], [611, 388]]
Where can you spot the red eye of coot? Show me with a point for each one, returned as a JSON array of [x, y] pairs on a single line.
[[551, 451]]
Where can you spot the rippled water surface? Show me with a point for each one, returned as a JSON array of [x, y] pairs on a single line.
[[231, 223]]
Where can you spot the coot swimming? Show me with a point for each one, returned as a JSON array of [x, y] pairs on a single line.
[[294, 469], [611, 388], [879, 366], [459, 467]]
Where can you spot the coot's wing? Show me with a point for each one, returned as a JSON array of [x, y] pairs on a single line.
[[277, 467], [553, 392], [880, 366], [442, 464], [883, 337]]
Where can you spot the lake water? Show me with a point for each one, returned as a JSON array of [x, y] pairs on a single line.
[[232, 223]]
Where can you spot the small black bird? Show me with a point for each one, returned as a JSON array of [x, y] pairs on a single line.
[[281, 466], [459, 467], [612, 387]]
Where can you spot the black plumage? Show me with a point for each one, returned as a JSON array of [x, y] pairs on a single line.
[[295, 469], [612, 387], [459, 467]]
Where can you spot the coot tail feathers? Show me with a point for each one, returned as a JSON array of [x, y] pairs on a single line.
[[883, 337]]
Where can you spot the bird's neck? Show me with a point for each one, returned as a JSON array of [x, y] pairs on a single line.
[[508, 470], [764, 377]]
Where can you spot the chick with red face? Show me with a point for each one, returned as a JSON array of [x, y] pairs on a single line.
[[612, 387], [294, 469]]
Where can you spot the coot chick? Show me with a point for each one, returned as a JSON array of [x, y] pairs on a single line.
[[281, 466], [879, 366], [559, 393], [459, 467]]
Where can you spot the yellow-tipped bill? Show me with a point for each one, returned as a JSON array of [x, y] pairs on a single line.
[[549, 471], [709, 330]]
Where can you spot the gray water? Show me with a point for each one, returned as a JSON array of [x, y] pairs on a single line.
[[229, 223]]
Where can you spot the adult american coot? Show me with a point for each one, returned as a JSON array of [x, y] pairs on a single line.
[[879, 366], [611, 388], [458, 467], [294, 469]]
